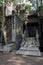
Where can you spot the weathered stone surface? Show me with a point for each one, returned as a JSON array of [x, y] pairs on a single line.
[[7, 48], [34, 53], [29, 48]]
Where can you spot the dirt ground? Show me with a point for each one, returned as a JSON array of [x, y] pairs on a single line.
[[12, 59]]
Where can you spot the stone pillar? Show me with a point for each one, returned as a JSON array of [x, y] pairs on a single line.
[[18, 31], [13, 29]]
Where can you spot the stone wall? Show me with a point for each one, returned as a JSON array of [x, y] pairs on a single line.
[[18, 26], [8, 24]]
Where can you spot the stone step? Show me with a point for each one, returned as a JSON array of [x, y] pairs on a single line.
[[33, 53], [7, 48], [29, 45], [1, 49], [29, 48], [29, 42], [30, 38]]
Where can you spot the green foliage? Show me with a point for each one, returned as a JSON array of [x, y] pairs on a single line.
[[13, 1], [27, 7], [20, 1], [40, 7], [1, 2]]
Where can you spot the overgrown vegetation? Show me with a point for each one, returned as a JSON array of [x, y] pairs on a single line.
[[40, 7], [27, 7]]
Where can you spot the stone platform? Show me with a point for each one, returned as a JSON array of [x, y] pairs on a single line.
[[7, 48], [29, 51], [29, 48]]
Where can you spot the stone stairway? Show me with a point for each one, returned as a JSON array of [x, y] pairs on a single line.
[[7, 48], [29, 48]]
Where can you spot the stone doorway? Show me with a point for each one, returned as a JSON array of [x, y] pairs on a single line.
[[31, 29], [30, 42]]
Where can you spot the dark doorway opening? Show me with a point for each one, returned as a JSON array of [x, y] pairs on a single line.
[[31, 28]]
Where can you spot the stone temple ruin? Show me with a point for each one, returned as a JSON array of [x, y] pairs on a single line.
[[24, 34]]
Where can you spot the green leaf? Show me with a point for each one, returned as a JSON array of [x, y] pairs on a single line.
[[40, 7], [27, 7]]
